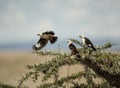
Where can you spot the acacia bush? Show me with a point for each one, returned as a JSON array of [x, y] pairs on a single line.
[[100, 64], [102, 60]]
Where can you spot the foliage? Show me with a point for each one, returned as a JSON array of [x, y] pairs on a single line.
[[108, 61], [6, 86]]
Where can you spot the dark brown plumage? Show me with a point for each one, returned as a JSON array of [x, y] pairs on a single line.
[[49, 32], [73, 49], [40, 44], [53, 39], [44, 38], [87, 41]]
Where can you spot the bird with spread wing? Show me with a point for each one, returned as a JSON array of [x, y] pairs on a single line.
[[44, 38]]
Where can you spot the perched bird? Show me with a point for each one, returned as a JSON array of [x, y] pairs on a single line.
[[73, 49], [87, 42], [44, 38]]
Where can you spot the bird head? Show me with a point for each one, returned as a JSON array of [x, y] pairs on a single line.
[[39, 34], [69, 42], [81, 36]]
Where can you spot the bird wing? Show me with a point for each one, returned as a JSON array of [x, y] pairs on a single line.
[[73, 49], [88, 42], [49, 32], [40, 44], [53, 39]]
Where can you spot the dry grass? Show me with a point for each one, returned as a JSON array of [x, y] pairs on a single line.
[[12, 66]]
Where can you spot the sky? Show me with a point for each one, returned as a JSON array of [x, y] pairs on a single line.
[[21, 20]]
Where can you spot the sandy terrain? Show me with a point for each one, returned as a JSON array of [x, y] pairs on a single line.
[[12, 65]]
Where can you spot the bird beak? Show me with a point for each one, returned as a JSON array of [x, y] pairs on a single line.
[[39, 34], [69, 41]]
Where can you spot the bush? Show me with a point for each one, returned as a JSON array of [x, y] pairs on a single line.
[[100, 64]]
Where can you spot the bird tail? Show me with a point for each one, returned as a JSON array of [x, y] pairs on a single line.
[[34, 47], [53, 39], [93, 48]]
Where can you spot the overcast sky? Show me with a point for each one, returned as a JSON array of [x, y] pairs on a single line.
[[21, 20]]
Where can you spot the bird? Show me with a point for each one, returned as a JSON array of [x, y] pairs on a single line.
[[73, 49], [87, 41], [44, 38]]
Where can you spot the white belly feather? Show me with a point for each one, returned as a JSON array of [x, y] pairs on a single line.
[[83, 40], [37, 45]]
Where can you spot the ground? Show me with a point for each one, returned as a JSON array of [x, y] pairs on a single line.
[[12, 66]]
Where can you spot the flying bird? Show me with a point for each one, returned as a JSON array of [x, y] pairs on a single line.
[[44, 38], [87, 41]]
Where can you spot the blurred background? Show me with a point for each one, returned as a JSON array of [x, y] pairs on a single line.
[[21, 20]]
